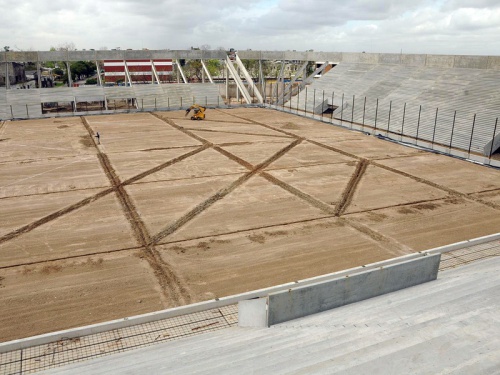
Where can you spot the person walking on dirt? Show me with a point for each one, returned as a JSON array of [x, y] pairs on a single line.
[[98, 136]]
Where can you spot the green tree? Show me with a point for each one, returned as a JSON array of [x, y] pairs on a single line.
[[252, 67], [193, 69], [214, 67], [82, 69]]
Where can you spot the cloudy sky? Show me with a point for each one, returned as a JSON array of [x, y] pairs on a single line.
[[468, 27]]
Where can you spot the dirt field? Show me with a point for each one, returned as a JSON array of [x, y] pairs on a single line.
[[166, 211]]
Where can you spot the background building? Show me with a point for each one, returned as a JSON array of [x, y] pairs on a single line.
[[145, 71]]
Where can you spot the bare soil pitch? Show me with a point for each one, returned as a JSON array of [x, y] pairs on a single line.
[[167, 211]]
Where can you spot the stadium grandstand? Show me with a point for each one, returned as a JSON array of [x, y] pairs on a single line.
[[343, 170]]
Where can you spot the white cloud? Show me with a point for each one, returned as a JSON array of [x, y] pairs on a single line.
[[416, 26]]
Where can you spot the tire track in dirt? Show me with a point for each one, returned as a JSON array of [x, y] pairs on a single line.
[[180, 128], [221, 193], [55, 215], [325, 207], [440, 187], [86, 255], [390, 244], [239, 133], [350, 189], [158, 168], [172, 286], [262, 124]]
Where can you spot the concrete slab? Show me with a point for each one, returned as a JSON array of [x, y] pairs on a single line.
[[312, 299]]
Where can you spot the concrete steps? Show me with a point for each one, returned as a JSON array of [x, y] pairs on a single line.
[[450, 324], [469, 92], [27, 103]]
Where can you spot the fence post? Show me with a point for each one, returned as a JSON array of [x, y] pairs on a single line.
[[323, 105], [376, 115], [305, 103], [142, 101], [342, 109], [277, 103], [418, 123], [435, 124], [389, 119], [11, 111], [333, 97], [352, 112], [298, 97], [27, 112], [314, 101], [283, 93], [493, 138], [206, 101], [181, 102], [364, 111], [403, 123], [472, 133], [452, 129]]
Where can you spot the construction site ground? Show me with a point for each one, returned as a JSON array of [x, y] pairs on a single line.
[[166, 211]]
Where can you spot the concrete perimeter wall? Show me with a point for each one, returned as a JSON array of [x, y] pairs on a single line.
[[442, 61], [340, 290], [302, 301]]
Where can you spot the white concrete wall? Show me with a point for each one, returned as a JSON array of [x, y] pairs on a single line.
[[302, 301]]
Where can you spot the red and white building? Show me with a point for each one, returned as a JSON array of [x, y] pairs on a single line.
[[138, 71]]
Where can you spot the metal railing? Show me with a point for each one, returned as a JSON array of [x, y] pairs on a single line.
[[462, 133]]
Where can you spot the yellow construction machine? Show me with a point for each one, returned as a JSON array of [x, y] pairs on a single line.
[[198, 112]]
